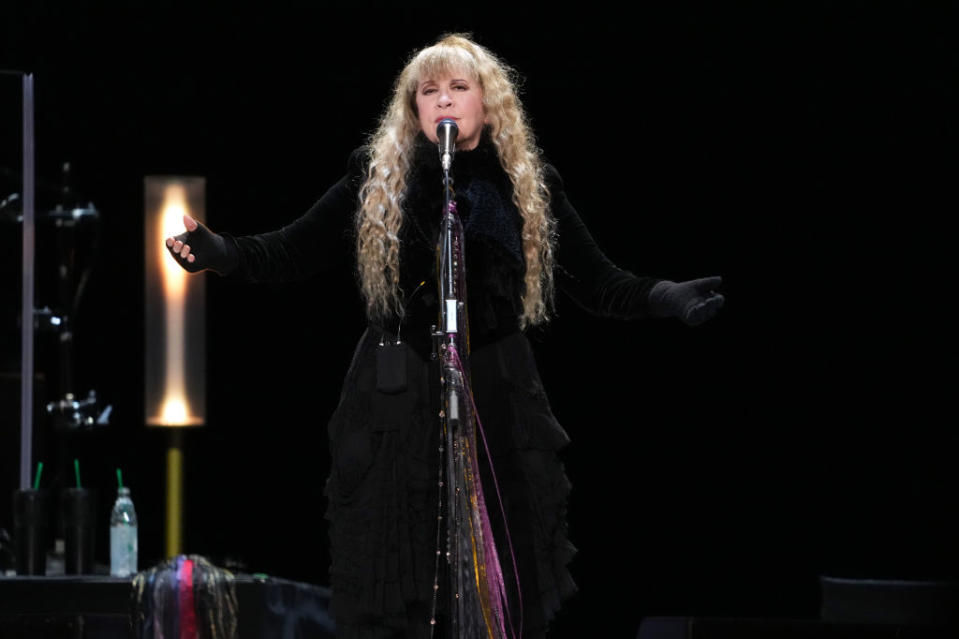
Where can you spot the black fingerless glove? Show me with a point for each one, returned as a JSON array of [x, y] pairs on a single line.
[[210, 251], [694, 301]]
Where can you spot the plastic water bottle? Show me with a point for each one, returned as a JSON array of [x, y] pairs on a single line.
[[123, 535]]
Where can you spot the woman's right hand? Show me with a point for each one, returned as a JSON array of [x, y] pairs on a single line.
[[201, 249]]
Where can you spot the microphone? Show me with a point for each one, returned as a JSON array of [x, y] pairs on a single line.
[[446, 132]]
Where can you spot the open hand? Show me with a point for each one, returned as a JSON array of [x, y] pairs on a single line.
[[199, 249], [693, 301]]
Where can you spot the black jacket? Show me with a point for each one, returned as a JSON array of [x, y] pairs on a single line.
[[324, 238]]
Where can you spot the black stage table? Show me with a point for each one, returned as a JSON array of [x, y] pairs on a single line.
[[95, 607]]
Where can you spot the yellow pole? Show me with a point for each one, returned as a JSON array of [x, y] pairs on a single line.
[[174, 494]]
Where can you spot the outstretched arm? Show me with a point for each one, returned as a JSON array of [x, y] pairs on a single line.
[[320, 239], [599, 286]]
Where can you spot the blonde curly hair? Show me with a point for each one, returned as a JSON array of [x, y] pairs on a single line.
[[380, 214]]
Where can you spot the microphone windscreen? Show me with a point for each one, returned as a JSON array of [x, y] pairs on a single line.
[[447, 124]]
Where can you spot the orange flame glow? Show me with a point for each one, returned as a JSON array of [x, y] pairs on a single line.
[[175, 409]]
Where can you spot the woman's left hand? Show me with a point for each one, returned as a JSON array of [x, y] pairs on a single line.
[[693, 301]]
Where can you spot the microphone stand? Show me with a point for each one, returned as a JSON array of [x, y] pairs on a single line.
[[447, 342], [476, 587]]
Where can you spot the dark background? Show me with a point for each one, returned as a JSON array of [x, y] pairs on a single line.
[[798, 150]]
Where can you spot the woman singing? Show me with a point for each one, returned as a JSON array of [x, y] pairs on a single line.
[[523, 239]]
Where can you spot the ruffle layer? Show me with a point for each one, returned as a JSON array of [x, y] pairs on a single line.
[[382, 491]]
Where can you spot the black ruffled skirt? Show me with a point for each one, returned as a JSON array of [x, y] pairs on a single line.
[[383, 491]]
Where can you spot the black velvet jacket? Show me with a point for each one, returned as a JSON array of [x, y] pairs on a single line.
[[323, 238]]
